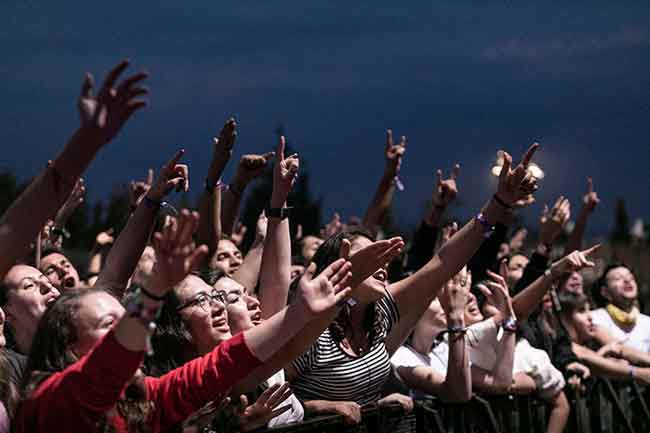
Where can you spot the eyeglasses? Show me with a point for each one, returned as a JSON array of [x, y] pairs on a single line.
[[205, 300]]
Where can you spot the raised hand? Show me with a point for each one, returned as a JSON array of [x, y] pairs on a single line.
[[446, 189], [250, 167], [518, 239], [552, 221], [104, 238], [139, 188], [497, 291], [333, 227], [516, 187], [74, 200], [265, 407], [371, 258], [237, 236], [172, 176], [394, 153], [454, 294], [284, 174], [317, 294], [225, 142], [574, 261], [104, 114], [176, 254], [590, 199]]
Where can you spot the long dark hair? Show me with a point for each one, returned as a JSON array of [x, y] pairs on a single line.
[[50, 353], [328, 253], [171, 341]]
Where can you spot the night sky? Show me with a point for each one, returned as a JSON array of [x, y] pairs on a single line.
[[461, 79]]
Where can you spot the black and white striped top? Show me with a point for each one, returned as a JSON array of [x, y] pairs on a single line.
[[326, 372]]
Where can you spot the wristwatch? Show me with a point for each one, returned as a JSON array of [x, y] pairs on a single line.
[[510, 324], [486, 227], [279, 212]]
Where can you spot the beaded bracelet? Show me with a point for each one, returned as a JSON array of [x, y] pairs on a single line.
[[146, 315]]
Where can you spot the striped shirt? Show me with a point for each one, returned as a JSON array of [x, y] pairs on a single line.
[[327, 372]]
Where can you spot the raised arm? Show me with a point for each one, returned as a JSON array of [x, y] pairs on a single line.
[[249, 168], [102, 117], [209, 231], [529, 299], [129, 245], [589, 203], [424, 241], [414, 293], [500, 379], [275, 273], [383, 198]]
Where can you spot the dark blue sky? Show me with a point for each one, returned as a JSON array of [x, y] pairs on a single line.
[[461, 79]]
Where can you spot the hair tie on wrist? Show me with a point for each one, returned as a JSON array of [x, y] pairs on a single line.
[[501, 202]]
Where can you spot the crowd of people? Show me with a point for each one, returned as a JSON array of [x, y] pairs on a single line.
[[172, 327]]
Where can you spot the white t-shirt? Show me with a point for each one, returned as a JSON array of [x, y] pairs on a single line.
[[638, 337], [437, 359], [483, 339]]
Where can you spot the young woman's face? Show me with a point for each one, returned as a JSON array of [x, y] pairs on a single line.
[[582, 323], [620, 285], [472, 311], [243, 309], [573, 284], [516, 267], [227, 258], [204, 313], [30, 292], [374, 287], [98, 313]]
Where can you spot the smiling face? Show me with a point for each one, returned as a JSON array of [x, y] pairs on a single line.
[[374, 287], [620, 286], [243, 309], [203, 313], [227, 258], [61, 273], [30, 292]]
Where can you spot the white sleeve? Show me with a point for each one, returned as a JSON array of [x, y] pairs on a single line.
[[404, 357]]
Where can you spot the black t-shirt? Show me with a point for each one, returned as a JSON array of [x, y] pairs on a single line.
[[17, 366]]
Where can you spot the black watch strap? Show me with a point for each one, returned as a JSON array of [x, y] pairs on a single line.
[[279, 212]]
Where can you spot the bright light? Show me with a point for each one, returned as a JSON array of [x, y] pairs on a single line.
[[534, 169]]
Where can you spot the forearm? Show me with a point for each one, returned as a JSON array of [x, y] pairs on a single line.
[[209, 230], [127, 250], [487, 253], [248, 273], [231, 199], [21, 223], [502, 371], [445, 264], [635, 356], [319, 406], [381, 202], [423, 246], [268, 338], [275, 274], [529, 299], [575, 238], [458, 382]]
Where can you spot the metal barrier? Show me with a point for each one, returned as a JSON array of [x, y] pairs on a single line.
[[608, 407]]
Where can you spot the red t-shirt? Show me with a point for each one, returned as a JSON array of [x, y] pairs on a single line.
[[75, 399]]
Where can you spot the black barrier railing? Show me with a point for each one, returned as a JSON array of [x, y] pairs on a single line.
[[608, 407]]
